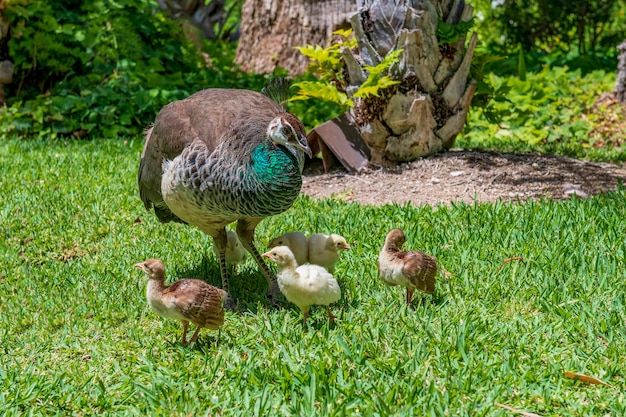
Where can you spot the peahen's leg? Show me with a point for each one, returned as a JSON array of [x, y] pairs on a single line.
[[245, 230], [219, 241]]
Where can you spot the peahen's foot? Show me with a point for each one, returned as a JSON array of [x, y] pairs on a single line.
[[230, 304], [273, 294]]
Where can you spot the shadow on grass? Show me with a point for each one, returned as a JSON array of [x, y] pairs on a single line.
[[248, 288]]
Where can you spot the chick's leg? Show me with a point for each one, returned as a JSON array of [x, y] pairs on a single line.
[[409, 295], [195, 335], [331, 316], [219, 239], [185, 326], [305, 315], [245, 230]]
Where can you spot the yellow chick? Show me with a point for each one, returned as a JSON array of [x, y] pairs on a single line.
[[296, 241], [324, 250], [304, 285], [235, 252]]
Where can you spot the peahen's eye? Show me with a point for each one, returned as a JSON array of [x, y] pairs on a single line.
[[289, 132]]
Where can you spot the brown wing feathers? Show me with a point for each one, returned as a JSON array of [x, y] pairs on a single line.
[[420, 269], [200, 303]]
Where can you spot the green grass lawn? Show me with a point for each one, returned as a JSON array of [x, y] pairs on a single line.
[[77, 338]]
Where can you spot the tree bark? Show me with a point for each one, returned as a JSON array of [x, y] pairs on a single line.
[[620, 85], [208, 17], [270, 29], [6, 65]]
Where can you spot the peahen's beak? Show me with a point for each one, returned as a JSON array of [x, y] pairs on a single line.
[[303, 144]]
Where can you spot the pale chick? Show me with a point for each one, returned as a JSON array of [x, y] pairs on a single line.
[[186, 300], [304, 285], [411, 269], [324, 250], [296, 241], [235, 252]]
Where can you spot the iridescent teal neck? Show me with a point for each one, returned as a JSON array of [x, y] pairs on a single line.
[[271, 162]]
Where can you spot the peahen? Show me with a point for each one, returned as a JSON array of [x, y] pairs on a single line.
[[225, 155]]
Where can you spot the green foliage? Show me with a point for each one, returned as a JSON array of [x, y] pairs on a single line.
[[327, 66], [377, 78], [549, 112], [521, 65], [78, 338], [580, 34], [103, 68], [448, 33], [320, 90]]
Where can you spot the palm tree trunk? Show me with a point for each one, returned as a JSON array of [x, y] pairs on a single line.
[[425, 112], [270, 29]]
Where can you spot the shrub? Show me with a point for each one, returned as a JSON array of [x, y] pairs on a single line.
[[103, 68], [553, 111]]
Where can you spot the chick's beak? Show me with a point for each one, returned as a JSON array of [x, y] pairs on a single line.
[[347, 247], [266, 255]]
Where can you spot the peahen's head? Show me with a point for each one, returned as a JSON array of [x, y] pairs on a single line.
[[288, 131]]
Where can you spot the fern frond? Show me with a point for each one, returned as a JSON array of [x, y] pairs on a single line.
[[321, 90]]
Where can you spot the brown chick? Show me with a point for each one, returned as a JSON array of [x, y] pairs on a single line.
[[411, 269], [186, 300]]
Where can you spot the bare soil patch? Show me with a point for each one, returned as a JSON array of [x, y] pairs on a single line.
[[467, 176]]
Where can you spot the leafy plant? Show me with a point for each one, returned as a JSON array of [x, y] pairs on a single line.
[[578, 34], [316, 89], [328, 65], [553, 111], [377, 76]]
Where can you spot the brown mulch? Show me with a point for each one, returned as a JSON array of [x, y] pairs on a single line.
[[467, 176]]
